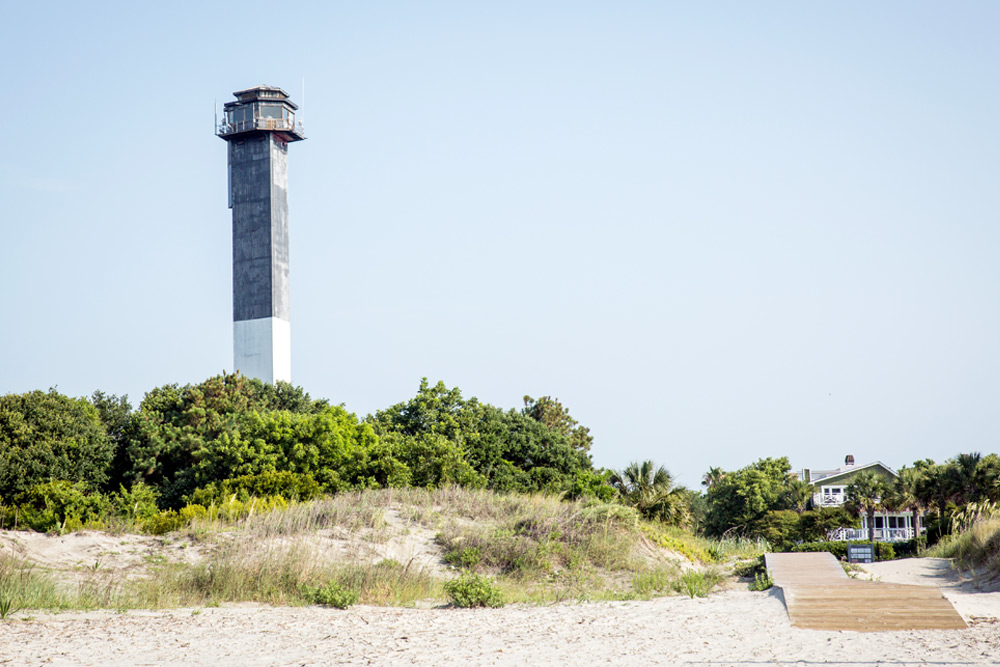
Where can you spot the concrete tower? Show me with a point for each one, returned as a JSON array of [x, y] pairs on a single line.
[[258, 126]]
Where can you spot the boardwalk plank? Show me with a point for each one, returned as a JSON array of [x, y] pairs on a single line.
[[820, 596]]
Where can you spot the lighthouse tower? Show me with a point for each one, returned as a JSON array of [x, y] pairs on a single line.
[[258, 126]]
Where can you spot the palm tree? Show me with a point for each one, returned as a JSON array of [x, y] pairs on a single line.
[[712, 477], [865, 494], [650, 489], [932, 488], [798, 493], [963, 478], [906, 493]]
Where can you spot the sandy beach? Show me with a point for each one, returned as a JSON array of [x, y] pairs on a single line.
[[730, 627]]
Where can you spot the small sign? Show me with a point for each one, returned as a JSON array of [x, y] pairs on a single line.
[[861, 553]]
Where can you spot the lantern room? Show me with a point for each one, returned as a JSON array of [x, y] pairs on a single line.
[[261, 109]]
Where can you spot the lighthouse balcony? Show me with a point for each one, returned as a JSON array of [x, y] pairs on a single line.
[[289, 127]]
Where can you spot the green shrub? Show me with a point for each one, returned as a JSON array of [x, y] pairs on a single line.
[[696, 583], [167, 521], [750, 568], [883, 550], [653, 581], [62, 507], [47, 436], [230, 426], [761, 582], [779, 527], [288, 485], [910, 548], [473, 590], [467, 558], [135, 505], [508, 449], [591, 484], [681, 542], [331, 595]]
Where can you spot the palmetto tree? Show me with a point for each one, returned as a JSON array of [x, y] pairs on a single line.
[[865, 494], [650, 489], [712, 477], [798, 493], [906, 493]]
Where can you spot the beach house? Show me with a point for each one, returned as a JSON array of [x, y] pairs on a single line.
[[831, 491]]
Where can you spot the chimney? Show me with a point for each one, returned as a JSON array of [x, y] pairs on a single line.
[[849, 460]]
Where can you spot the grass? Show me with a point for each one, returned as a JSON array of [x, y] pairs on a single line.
[[975, 547], [655, 582], [530, 548], [697, 583]]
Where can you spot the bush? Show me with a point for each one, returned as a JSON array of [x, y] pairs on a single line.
[[331, 595], [288, 485], [168, 521], [681, 542], [696, 583], [467, 558], [509, 450], [61, 507], [49, 436], [761, 582], [230, 426], [473, 590], [750, 568], [430, 460], [910, 548], [591, 484], [883, 550], [779, 527]]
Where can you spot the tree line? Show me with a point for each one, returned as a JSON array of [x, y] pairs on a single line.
[[235, 435], [765, 500], [182, 439]]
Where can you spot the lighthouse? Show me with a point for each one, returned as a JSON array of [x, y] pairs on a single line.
[[258, 126]]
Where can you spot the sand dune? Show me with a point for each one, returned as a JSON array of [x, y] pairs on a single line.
[[735, 626]]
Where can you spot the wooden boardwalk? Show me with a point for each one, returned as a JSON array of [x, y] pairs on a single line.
[[820, 596]]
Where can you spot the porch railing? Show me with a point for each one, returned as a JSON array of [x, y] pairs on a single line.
[[881, 534]]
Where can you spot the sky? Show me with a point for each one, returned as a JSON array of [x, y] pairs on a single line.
[[714, 231]]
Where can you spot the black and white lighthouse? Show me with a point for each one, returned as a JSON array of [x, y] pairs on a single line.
[[258, 126]]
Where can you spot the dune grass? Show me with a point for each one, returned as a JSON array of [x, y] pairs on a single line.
[[975, 544], [533, 548]]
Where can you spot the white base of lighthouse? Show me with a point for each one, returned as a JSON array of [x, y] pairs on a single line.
[[262, 349]]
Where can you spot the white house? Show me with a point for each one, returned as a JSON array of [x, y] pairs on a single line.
[[831, 490]]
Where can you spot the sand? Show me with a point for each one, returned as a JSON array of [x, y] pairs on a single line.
[[731, 627], [735, 626]]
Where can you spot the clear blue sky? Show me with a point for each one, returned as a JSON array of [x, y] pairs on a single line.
[[715, 231]]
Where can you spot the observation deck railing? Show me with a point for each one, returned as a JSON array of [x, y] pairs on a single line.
[[274, 124]]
